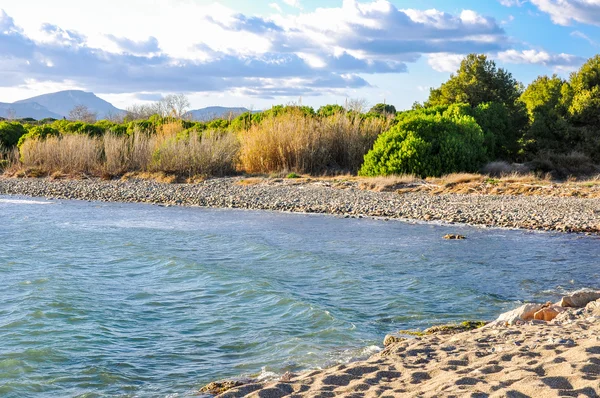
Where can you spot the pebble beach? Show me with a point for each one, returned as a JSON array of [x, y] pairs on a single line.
[[346, 199]]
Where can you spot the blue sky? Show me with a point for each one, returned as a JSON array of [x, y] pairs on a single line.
[[260, 53]]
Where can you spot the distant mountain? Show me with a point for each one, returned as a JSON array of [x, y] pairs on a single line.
[[58, 105], [27, 109], [62, 102], [215, 112]]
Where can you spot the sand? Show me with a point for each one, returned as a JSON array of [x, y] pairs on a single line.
[[536, 359]]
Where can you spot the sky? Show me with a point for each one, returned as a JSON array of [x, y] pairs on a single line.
[[256, 54]]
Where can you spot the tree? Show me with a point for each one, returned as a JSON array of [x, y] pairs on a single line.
[[175, 105], [543, 94], [384, 109], [139, 112], [477, 81], [83, 114], [358, 105], [549, 130], [583, 96], [11, 114]]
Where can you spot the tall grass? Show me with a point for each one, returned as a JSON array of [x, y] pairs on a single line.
[[68, 154], [8, 158], [212, 153], [304, 144]]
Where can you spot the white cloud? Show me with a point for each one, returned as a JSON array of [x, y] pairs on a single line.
[[534, 57], [512, 3], [444, 62], [585, 37], [564, 12], [276, 7], [293, 3], [184, 46]]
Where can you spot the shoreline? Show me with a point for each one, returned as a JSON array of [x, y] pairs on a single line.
[[514, 356], [541, 213], [531, 358]]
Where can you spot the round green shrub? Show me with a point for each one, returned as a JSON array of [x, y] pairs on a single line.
[[10, 133], [427, 145]]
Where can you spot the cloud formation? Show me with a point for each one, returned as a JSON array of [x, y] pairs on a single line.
[[564, 12], [326, 51], [533, 57]]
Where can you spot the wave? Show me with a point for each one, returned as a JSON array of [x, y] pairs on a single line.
[[25, 202]]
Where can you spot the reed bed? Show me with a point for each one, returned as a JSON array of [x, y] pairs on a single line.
[[303, 144], [211, 153]]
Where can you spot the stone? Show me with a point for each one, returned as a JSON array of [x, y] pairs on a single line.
[[454, 237], [593, 308], [579, 300], [391, 339], [548, 313], [219, 387], [287, 377], [520, 315]]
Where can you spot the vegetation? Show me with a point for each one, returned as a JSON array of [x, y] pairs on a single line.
[[10, 133], [300, 142], [428, 144], [211, 153], [481, 119]]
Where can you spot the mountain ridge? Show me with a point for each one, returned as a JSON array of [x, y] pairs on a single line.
[[62, 102], [59, 104]]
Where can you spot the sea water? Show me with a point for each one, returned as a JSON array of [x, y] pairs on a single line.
[[131, 300]]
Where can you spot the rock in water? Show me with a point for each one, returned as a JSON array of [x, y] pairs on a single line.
[[454, 237], [579, 300]]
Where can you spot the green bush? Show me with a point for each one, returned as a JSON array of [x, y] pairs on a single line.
[[330, 110], [10, 133], [111, 127], [141, 126], [427, 145], [383, 109], [217, 124], [39, 132]]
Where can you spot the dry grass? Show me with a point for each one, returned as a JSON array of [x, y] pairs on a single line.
[[388, 183], [8, 158], [68, 154], [250, 181], [453, 179], [293, 142], [212, 153]]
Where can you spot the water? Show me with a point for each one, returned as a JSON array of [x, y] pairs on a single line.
[[137, 300]]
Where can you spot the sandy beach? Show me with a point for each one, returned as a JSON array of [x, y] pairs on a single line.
[[534, 358]]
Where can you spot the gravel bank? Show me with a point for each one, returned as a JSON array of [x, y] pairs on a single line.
[[567, 214]]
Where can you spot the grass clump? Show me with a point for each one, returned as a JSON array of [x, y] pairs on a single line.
[[303, 143], [210, 153]]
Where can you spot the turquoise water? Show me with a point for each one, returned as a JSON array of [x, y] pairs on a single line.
[[136, 300]]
